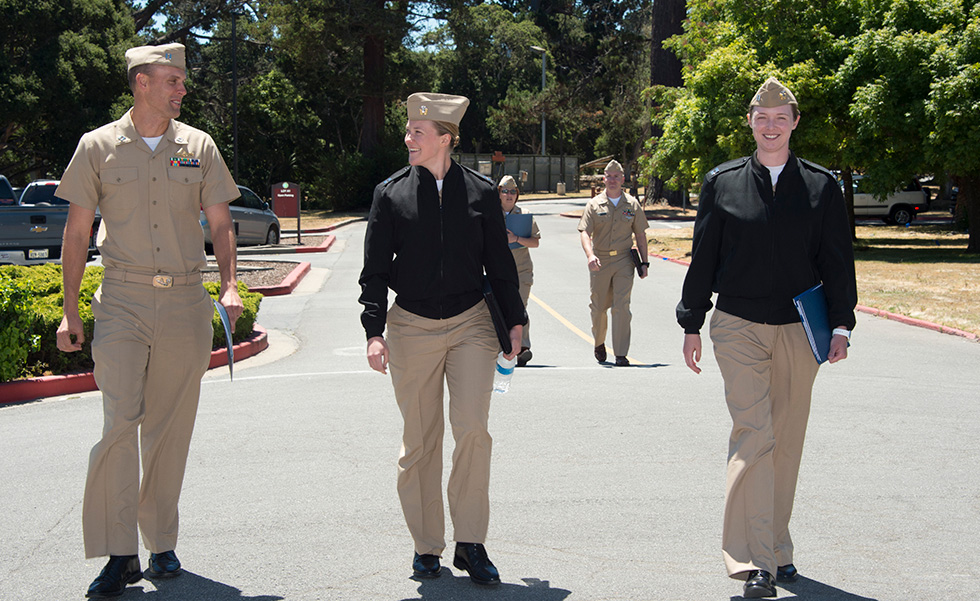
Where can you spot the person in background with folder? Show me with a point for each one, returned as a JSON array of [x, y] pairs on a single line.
[[434, 228], [519, 245], [149, 175], [609, 224], [769, 227]]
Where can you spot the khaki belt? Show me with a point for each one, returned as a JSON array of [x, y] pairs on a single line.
[[157, 281], [609, 253]]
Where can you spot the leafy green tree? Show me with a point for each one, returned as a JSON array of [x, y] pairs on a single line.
[[63, 72]]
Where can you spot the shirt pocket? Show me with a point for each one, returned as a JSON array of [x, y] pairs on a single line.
[[120, 190], [185, 188]]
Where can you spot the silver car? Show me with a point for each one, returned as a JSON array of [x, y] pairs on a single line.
[[255, 223]]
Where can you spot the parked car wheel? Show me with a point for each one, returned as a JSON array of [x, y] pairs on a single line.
[[273, 236], [901, 215]]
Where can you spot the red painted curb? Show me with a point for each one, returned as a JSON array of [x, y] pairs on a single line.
[[48, 386], [322, 247], [288, 283], [921, 323], [330, 228]]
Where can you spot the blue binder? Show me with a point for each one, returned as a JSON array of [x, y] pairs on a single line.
[[520, 224], [812, 307]]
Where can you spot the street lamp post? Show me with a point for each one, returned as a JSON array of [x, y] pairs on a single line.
[[544, 58], [237, 12]]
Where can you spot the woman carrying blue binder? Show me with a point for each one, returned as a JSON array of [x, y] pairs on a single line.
[[769, 227]]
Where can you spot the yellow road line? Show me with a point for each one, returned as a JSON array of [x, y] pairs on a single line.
[[568, 324]]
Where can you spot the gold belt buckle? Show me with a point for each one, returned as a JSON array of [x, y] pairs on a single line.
[[613, 253], [163, 281]]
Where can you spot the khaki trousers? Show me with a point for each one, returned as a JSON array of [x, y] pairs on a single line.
[[769, 372], [611, 288], [526, 279], [151, 348], [461, 351]]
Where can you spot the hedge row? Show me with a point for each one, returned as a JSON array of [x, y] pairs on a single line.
[[31, 301]]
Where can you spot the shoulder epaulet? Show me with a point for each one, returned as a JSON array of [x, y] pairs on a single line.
[[729, 166], [477, 173], [396, 175], [818, 168]]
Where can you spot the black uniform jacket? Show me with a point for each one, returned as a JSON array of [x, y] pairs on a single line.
[[758, 249], [433, 255]]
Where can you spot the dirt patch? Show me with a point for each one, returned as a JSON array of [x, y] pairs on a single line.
[[255, 273]]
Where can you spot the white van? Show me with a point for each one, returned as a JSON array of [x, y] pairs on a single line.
[[898, 207]]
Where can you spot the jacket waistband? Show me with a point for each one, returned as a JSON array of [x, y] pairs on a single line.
[[158, 280]]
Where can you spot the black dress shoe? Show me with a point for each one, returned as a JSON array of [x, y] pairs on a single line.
[[787, 573], [760, 583], [524, 356], [600, 353], [472, 557], [120, 571], [426, 566], [622, 361], [163, 565]]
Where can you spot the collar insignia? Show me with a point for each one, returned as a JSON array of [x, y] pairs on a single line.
[[122, 139], [180, 140]]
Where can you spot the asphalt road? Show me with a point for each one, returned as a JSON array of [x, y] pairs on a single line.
[[607, 483]]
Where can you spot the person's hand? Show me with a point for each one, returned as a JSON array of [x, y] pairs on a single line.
[[644, 271], [692, 351], [232, 303], [71, 327], [516, 333], [512, 237], [594, 263], [377, 354], [838, 349]]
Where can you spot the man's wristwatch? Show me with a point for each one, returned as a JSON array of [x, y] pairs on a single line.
[[842, 332]]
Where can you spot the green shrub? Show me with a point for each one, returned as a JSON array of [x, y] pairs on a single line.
[[31, 301], [17, 336]]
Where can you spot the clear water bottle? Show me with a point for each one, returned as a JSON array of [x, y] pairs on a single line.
[[503, 372]]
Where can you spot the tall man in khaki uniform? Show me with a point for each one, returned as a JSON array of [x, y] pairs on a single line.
[[611, 221], [149, 176]]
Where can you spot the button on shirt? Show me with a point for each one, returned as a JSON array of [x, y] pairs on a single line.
[[150, 201], [612, 226]]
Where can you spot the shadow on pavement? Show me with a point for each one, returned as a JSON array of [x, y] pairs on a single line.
[[191, 587], [805, 588], [450, 587]]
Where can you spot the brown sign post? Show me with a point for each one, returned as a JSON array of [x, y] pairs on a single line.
[[286, 203]]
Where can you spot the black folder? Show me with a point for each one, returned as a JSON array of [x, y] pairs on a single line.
[[503, 333]]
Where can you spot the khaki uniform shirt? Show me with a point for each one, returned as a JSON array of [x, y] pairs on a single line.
[[612, 227], [522, 254], [150, 202]]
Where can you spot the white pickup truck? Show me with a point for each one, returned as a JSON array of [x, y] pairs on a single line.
[[31, 233], [898, 207]]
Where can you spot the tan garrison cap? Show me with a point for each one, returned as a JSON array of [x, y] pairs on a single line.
[[429, 106], [773, 94], [507, 181], [168, 54], [613, 167]]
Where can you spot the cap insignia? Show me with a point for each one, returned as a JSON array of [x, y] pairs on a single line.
[[423, 110]]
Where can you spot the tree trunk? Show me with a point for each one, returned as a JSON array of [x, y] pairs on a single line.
[[969, 197], [665, 70], [373, 92]]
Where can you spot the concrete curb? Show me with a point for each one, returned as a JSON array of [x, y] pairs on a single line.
[[329, 228], [577, 215], [921, 323], [288, 283], [46, 386], [287, 250]]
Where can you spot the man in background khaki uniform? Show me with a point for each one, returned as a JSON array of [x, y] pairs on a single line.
[[149, 176], [608, 227]]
